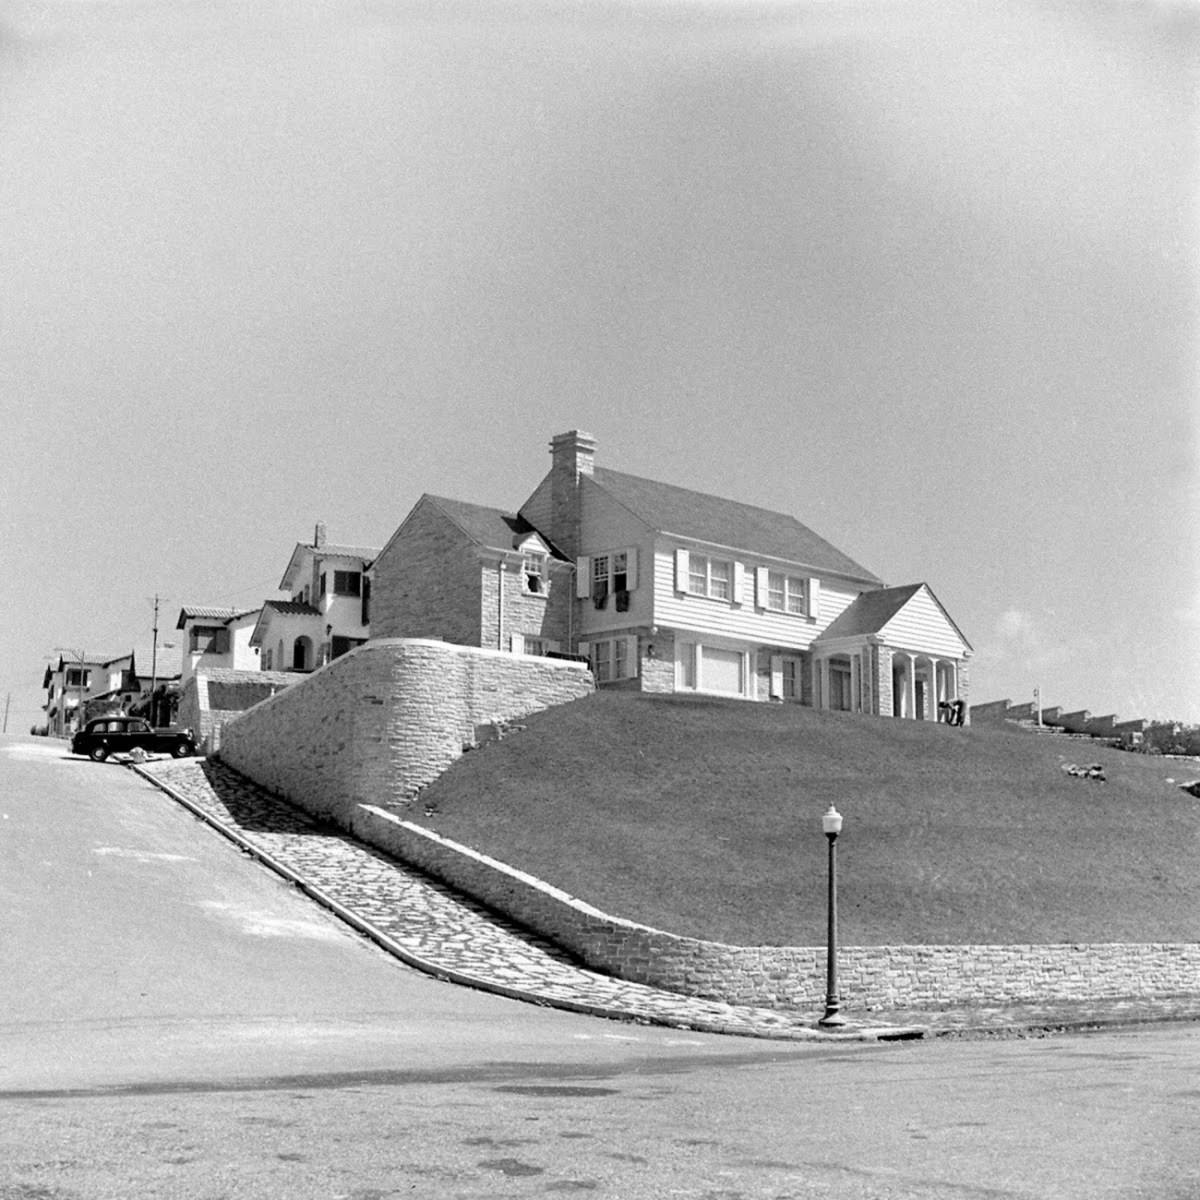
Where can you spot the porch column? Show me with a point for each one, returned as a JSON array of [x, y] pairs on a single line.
[[824, 683], [910, 687]]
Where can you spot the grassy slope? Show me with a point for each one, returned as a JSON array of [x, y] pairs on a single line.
[[703, 817]]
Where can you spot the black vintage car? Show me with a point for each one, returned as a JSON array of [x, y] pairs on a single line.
[[103, 736]]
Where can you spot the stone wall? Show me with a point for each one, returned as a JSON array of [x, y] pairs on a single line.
[[214, 695], [379, 723], [870, 977]]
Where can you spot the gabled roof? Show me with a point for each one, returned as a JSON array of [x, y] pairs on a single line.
[[488, 527], [291, 608], [367, 554], [870, 612], [285, 608], [700, 517], [211, 612]]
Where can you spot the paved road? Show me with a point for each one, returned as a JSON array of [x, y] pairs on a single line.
[[176, 1022]]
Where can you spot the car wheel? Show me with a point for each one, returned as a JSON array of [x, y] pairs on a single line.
[[181, 750], [98, 753]]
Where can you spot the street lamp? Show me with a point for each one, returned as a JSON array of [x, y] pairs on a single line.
[[831, 824]]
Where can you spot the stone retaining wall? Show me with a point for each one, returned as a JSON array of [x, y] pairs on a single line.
[[870, 977], [378, 724]]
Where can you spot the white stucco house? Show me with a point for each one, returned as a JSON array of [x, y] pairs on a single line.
[[216, 636], [327, 613]]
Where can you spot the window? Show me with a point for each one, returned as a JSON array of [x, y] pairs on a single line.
[[77, 678], [524, 643], [209, 639], [715, 669], [345, 583], [533, 571], [614, 571], [710, 577], [324, 589], [612, 658], [786, 678], [785, 593]]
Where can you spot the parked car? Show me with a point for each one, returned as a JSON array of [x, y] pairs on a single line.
[[103, 736]]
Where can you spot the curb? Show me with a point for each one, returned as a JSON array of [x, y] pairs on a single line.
[[448, 975]]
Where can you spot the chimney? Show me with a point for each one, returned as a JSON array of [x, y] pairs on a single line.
[[572, 455], [319, 535]]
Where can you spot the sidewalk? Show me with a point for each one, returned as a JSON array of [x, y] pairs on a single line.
[[445, 934]]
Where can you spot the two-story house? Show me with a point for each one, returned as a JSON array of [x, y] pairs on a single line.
[[216, 636], [328, 612], [674, 590], [79, 688]]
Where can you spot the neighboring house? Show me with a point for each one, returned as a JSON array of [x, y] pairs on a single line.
[[215, 636], [475, 576], [99, 684], [328, 612], [673, 590]]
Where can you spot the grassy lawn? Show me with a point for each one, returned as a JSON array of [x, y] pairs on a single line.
[[704, 818]]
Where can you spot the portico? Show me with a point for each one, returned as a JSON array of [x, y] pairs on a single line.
[[893, 652]]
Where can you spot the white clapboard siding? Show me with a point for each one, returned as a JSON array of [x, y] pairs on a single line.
[[745, 622], [922, 626]]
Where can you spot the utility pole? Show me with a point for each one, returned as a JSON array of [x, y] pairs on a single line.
[[154, 667], [7, 702]]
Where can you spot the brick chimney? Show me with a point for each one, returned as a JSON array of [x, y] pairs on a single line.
[[572, 456], [319, 535]]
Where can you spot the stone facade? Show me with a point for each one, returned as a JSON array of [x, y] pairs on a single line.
[[379, 723], [432, 589], [870, 977]]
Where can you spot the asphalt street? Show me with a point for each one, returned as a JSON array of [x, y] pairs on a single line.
[[176, 1021]]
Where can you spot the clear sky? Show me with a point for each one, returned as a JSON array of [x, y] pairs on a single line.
[[923, 274]]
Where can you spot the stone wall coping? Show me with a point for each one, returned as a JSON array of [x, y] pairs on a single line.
[[466, 651], [917, 949]]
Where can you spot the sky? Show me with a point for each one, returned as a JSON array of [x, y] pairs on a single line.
[[922, 274]]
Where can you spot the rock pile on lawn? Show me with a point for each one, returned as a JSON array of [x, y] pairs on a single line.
[[1095, 771]]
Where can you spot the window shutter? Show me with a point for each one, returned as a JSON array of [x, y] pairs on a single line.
[[739, 583], [630, 568], [633, 668], [583, 578], [777, 675], [761, 585], [681, 570], [518, 643], [814, 598]]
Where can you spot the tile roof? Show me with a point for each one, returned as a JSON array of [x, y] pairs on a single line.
[[292, 608], [491, 527], [871, 611], [329, 550], [211, 612], [704, 518]]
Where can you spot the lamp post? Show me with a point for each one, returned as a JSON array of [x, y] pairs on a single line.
[[831, 824]]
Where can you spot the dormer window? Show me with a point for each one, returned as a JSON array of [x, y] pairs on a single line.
[[534, 572]]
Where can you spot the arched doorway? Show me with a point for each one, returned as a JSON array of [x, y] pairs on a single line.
[[302, 654]]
